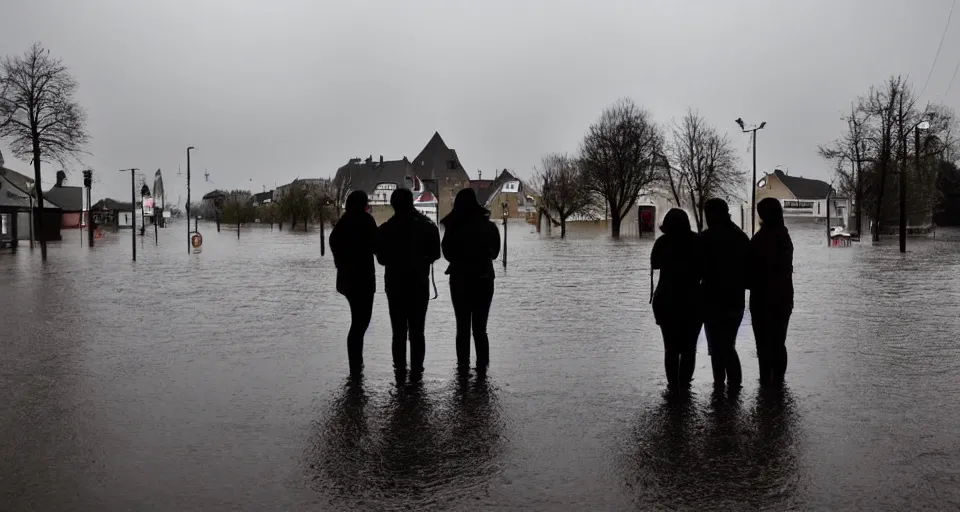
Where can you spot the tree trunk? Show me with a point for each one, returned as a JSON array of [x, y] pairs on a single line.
[[38, 190], [615, 221], [216, 216], [563, 227]]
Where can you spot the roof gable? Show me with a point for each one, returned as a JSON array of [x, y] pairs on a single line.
[[437, 161], [16, 179], [367, 175], [70, 199], [803, 188]]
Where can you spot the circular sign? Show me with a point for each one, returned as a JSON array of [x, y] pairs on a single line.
[[196, 240]]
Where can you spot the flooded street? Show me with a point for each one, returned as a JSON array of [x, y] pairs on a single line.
[[218, 382]]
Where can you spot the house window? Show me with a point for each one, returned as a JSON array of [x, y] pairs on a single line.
[[451, 164], [799, 205]]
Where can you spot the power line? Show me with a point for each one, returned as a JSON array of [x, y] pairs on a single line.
[[935, 57], [951, 79]]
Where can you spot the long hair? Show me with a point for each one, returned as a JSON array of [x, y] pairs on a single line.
[[770, 212], [465, 205], [675, 221], [356, 202]]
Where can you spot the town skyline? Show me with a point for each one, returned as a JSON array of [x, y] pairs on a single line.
[[510, 89]]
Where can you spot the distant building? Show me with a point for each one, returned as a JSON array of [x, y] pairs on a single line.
[[435, 176], [17, 201], [520, 197], [262, 198], [804, 198], [110, 213], [70, 200]]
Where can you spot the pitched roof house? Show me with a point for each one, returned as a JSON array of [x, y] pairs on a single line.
[[436, 171], [519, 196], [803, 197]]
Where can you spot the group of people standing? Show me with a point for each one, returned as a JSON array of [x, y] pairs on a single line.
[[703, 282], [407, 245]]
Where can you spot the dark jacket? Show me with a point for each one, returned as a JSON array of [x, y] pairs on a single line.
[[470, 244], [352, 242], [726, 256], [771, 269], [677, 298], [407, 245]]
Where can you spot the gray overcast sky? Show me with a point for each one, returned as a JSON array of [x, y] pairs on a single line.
[[268, 90]]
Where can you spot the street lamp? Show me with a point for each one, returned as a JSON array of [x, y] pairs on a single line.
[[133, 208], [505, 207], [87, 183], [191, 148], [753, 183], [921, 125]]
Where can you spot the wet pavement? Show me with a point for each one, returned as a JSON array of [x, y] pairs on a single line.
[[218, 382]]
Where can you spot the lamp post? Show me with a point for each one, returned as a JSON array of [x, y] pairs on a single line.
[[753, 183], [188, 197], [922, 125], [88, 183], [133, 209], [506, 213]]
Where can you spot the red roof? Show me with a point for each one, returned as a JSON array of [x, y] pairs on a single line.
[[426, 197]]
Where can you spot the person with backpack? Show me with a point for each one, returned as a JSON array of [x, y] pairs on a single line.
[[407, 245]]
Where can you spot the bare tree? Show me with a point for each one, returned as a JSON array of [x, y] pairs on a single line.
[[851, 148], [618, 155], [337, 191], [563, 188], [39, 116], [706, 165]]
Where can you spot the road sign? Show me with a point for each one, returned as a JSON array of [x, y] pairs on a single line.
[[196, 241]]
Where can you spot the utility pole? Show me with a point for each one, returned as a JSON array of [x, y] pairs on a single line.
[[88, 183], [506, 212], [753, 184], [133, 209], [188, 198], [922, 125]]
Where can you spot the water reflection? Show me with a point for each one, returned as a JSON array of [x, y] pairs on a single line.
[[715, 457], [419, 445]]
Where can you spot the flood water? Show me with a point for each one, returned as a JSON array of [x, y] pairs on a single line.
[[218, 382]]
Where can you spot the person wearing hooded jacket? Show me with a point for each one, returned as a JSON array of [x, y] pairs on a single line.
[[407, 244], [771, 290], [470, 244], [352, 243]]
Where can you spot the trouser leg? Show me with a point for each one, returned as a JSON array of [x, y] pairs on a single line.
[[361, 309], [779, 346], [671, 357], [460, 296], [398, 305], [761, 333], [481, 312], [417, 319]]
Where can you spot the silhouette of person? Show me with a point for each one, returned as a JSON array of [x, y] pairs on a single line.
[[726, 252], [352, 243], [771, 290], [407, 245], [677, 299], [470, 243]]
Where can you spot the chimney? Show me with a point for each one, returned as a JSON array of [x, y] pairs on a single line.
[[479, 174], [381, 159], [61, 176]]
